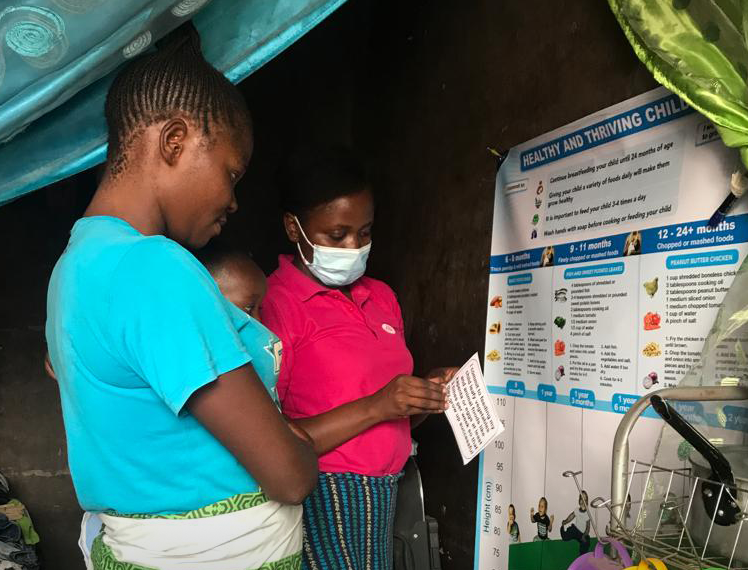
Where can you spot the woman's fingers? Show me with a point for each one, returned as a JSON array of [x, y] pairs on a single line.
[[422, 396], [442, 375], [410, 395], [419, 406], [419, 388]]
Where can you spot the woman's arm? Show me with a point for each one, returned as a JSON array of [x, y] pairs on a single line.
[[568, 519], [403, 396], [238, 411]]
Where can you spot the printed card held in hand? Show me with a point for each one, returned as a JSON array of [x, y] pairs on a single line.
[[471, 411]]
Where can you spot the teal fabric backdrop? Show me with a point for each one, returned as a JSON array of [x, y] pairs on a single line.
[[58, 57]]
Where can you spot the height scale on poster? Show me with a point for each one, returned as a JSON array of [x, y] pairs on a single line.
[[604, 281]]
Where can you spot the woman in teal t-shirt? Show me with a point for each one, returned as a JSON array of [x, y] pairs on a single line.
[[172, 437]]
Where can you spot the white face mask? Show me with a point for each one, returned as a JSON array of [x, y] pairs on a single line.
[[335, 266]]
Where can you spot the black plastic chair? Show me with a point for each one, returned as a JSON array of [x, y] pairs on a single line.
[[416, 540]]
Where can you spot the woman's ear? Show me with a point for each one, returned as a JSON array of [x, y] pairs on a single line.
[[292, 229], [172, 140]]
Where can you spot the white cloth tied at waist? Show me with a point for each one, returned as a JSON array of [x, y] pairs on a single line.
[[240, 540]]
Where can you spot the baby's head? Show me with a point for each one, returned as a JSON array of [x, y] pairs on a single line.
[[238, 277], [542, 505], [511, 513]]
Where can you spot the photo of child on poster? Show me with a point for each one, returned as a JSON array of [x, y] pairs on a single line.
[[541, 518], [578, 523], [512, 527]]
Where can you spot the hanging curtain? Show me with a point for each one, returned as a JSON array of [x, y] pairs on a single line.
[[58, 58], [698, 50]]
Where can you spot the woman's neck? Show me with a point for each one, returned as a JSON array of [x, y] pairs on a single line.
[[131, 202]]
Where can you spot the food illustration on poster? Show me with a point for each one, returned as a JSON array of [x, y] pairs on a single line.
[[605, 279]]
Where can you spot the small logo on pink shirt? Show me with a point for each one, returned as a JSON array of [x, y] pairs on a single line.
[[388, 328]]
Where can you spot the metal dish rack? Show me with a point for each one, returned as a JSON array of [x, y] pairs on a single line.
[[666, 536], [669, 495]]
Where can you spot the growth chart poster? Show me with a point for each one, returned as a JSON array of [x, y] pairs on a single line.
[[605, 280]]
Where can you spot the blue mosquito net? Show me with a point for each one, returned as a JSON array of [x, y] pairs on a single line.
[[58, 57]]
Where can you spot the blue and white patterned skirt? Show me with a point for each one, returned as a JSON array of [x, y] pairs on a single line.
[[348, 522]]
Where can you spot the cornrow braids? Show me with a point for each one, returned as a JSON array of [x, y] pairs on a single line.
[[172, 81]]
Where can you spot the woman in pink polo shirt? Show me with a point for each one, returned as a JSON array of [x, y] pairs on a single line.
[[345, 375]]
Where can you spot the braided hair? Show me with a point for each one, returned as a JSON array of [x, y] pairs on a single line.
[[174, 80]]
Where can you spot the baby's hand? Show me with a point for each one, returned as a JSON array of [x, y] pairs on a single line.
[[532, 511], [552, 517]]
